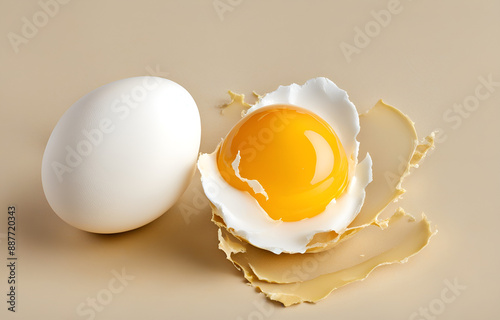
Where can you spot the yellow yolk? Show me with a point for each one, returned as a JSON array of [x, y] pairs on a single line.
[[293, 154]]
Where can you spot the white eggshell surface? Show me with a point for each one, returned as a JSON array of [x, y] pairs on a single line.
[[122, 155]]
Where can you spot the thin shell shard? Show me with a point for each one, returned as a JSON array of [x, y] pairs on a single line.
[[295, 278]]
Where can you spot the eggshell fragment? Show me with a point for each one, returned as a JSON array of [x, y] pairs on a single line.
[[296, 278], [254, 184], [238, 98]]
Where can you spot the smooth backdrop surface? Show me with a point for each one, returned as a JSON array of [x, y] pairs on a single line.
[[436, 61]]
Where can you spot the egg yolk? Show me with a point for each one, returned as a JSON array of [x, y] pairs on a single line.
[[293, 154]]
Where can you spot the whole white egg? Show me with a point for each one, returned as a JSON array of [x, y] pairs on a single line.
[[122, 155]]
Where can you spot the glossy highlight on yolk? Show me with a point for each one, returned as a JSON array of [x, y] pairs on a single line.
[[293, 154]]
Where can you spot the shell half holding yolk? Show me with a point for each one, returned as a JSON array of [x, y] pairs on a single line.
[[289, 168], [293, 154]]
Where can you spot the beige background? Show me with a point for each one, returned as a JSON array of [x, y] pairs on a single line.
[[428, 58]]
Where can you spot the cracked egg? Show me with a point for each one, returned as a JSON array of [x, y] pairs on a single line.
[[297, 213], [289, 169]]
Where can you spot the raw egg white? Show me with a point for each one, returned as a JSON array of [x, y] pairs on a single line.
[[122, 155], [289, 169]]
